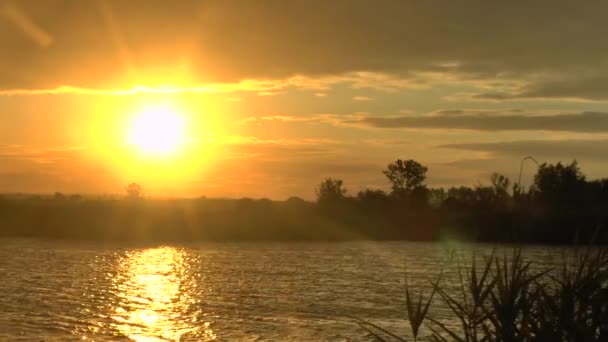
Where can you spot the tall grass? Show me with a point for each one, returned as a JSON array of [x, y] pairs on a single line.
[[508, 299]]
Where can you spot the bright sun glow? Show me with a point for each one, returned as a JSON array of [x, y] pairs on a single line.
[[158, 131]]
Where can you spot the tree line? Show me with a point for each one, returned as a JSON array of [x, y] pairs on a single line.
[[561, 205]]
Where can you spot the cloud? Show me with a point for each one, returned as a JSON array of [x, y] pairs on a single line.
[[362, 98], [560, 149], [329, 119], [589, 122], [13, 14], [252, 148], [263, 87], [397, 44], [268, 93], [569, 88]]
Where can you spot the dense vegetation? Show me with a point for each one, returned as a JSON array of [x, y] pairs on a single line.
[[510, 299], [559, 205]]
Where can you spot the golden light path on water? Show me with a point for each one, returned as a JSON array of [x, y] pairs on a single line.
[[156, 301]]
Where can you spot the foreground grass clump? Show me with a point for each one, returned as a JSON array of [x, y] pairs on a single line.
[[509, 299]]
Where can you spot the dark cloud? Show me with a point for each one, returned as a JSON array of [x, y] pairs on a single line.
[[94, 44], [553, 149], [591, 122], [591, 88]]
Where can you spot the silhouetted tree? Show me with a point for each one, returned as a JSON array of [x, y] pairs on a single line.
[[597, 190], [558, 184], [405, 175], [462, 194], [295, 200], [371, 194], [418, 197], [560, 204], [134, 191], [437, 197], [484, 195], [330, 190], [373, 198], [517, 191], [500, 183]]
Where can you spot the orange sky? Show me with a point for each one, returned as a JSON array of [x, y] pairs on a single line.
[[277, 95]]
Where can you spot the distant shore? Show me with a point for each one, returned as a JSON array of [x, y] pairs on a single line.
[[561, 207], [183, 220]]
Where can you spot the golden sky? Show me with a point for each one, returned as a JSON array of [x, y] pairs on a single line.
[[266, 98]]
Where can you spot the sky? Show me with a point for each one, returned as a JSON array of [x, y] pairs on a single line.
[[274, 96]]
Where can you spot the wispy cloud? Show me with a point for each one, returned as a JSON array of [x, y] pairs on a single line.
[[23, 22], [590, 122], [593, 149], [249, 147], [585, 85], [262, 87], [331, 119]]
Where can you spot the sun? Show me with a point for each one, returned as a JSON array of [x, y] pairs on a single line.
[[158, 131]]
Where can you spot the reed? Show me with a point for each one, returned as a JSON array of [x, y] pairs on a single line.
[[506, 298]]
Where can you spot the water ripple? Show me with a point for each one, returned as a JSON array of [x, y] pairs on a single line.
[[274, 291]]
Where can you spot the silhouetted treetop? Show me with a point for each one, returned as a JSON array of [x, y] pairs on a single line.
[[406, 175], [371, 195], [134, 191], [559, 183], [330, 190], [559, 205], [500, 183]]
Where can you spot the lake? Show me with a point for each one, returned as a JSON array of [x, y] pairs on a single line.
[[51, 290]]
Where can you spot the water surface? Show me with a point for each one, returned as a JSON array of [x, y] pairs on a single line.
[[214, 291]]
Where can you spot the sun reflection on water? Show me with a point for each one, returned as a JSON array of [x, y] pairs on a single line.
[[156, 298]]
